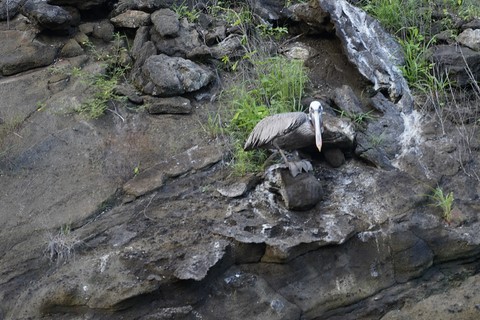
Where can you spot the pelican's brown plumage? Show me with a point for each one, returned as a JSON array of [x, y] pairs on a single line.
[[288, 131]]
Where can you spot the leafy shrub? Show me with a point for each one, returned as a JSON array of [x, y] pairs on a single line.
[[276, 86]]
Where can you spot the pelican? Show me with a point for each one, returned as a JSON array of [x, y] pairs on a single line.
[[289, 131]]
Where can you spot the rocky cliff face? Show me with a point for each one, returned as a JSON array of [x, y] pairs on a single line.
[[135, 215]]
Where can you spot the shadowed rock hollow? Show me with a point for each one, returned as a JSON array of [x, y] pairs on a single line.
[[135, 215]]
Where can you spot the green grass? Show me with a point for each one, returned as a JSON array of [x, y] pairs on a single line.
[[103, 85], [183, 11], [443, 201], [264, 85], [396, 15], [277, 86], [411, 21], [247, 161], [104, 93], [357, 118]]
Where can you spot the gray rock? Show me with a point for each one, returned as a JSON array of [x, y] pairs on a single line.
[[314, 19], [103, 30], [473, 24], [297, 50], [71, 49], [195, 158], [48, 16], [86, 28], [459, 301], [186, 40], [147, 50], [10, 8], [300, 193], [269, 9], [337, 132], [334, 156], [411, 255], [169, 76], [215, 35], [20, 52], [446, 37], [131, 19], [130, 92], [231, 47], [166, 23], [172, 105], [141, 37], [81, 38], [342, 276], [262, 299], [196, 266], [19, 23], [347, 100], [238, 187], [170, 313], [368, 150], [454, 60], [142, 5], [379, 142], [470, 38], [374, 51], [80, 4]]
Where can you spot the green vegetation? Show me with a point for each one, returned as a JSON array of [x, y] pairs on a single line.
[[443, 201], [104, 92], [412, 22], [418, 68], [264, 84], [277, 86], [183, 11], [357, 118], [245, 162], [268, 30], [115, 65]]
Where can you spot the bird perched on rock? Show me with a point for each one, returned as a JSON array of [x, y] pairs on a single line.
[[289, 131]]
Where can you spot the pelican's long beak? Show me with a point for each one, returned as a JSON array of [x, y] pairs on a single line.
[[317, 121]]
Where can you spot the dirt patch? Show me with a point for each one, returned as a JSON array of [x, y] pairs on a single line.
[[329, 69]]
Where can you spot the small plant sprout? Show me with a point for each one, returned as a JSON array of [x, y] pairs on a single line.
[[136, 170], [443, 201], [183, 11]]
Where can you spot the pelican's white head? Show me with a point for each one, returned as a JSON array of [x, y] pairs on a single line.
[[316, 112]]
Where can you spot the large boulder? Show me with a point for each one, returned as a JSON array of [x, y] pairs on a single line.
[[176, 38], [48, 16], [378, 142], [20, 52], [169, 76], [166, 23], [143, 5], [10, 8], [131, 19], [470, 38], [456, 60]]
